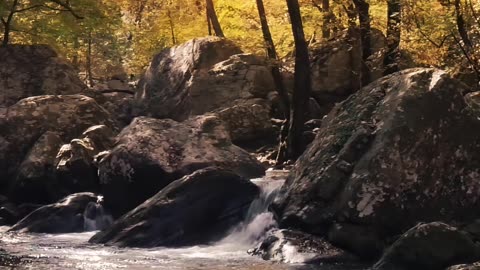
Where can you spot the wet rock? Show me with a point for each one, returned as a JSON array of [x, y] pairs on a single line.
[[474, 266], [163, 91], [34, 70], [75, 169], [34, 182], [359, 239], [429, 246], [75, 213], [297, 247], [151, 153], [387, 158], [26, 121], [196, 209]]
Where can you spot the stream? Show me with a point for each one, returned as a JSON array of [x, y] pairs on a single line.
[[72, 251]]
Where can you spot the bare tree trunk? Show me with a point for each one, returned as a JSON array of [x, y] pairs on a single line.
[[363, 10], [302, 85], [172, 27], [214, 19], [394, 20], [462, 27], [209, 23], [7, 24], [327, 19], [272, 55], [89, 60]]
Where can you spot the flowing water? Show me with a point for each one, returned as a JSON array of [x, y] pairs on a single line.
[[72, 251]]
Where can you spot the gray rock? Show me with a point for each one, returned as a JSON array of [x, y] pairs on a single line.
[[388, 157], [163, 91], [34, 70], [34, 182], [432, 246], [196, 209], [151, 153], [76, 213], [26, 121]]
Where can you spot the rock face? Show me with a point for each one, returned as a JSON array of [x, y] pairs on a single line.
[[247, 120], [76, 213], [206, 75], [429, 246], [33, 70], [337, 66], [34, 182], [31, 118], [196, 209], [151, 153], [75, 170], [297, 247], [163, 90], [388, 157]]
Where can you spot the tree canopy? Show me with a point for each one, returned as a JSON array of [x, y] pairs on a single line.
[[124, 34]]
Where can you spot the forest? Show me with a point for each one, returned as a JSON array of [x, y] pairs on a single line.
[[219, 134]]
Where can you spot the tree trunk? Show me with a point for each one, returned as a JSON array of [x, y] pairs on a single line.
[[172, 27], [327, 19], [209, 23], [363, 9], [214, 19], [302, 85], [272, 55], [462, 27], [89, 60], [7, 24], [394, 20]]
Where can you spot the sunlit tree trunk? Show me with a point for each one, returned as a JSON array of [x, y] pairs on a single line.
[[212, 14], [172, 27], [302, 84], [394, 16]]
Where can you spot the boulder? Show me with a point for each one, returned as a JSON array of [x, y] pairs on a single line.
[[119, 105], [34, 182], [247, 121], [196, 209], [163, 91], [151, 153], [289, 246], [473, 266], [388, 157], [76, 213], [336, 66], [75, 170], [432, 246], [29, 119], [473, 101], [34, 70]]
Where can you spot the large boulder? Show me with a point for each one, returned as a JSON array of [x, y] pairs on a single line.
[[404, 149], [337, 66], [75, 169], [196, 209], [29, 119], [34, 182], [33, 70], [151, 153], [76, 213], [163, 91], [432, 246]]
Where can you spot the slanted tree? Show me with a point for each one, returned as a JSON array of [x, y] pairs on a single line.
[[394, 20], [213, 19], [302, 85]]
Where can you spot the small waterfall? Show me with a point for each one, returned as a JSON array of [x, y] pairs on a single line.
[[95, 217], [259, 219]]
